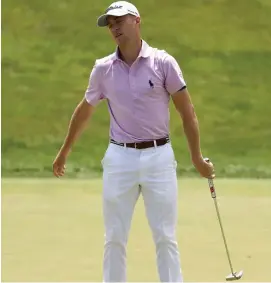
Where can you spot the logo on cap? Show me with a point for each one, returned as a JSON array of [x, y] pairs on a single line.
[[112, 8], [133, 12]]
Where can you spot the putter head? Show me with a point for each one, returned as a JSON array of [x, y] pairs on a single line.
[[234, 276]]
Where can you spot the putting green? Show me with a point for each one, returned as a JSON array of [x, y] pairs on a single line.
[[52, 231]]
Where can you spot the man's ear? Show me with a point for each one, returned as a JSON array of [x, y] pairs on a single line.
[[138, 20]]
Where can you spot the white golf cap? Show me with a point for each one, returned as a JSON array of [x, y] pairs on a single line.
[[117, 9]]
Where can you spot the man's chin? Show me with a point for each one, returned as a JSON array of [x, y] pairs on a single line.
[[120, 39]]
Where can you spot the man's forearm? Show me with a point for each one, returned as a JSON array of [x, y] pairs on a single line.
[[77, 124], [191, 129]]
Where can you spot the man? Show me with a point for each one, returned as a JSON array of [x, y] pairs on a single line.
[[137, 81]]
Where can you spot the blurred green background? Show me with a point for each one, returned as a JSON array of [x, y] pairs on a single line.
[[222, 46]]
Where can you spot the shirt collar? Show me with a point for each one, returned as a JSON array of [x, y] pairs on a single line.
[[144, 52]]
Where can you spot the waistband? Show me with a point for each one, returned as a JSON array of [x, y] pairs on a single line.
[[143, 144]]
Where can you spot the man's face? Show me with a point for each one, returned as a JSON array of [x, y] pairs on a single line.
[[123, 28]]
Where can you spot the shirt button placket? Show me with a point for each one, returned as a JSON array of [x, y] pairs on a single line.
[[132, 89]]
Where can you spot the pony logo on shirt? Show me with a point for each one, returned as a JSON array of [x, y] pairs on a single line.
[[151, 84]]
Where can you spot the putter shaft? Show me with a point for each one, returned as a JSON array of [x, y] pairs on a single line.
[[213, 194], [223, 235]]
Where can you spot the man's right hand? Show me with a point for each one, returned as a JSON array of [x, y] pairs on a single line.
[[59, 165], [78, 122]]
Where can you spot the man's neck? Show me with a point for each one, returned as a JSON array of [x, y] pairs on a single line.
[[130, 51]]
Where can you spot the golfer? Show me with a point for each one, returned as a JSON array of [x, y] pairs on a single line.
[[137, 81]]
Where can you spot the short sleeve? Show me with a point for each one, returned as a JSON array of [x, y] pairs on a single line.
[[174, 80], [93, 93]]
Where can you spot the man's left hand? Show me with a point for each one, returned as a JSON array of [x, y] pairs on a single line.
[[204, 167]]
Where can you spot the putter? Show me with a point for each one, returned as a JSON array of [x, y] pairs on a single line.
[[233, 275]]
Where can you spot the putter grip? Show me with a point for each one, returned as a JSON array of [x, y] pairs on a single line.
[[212, 188], [211, 183]]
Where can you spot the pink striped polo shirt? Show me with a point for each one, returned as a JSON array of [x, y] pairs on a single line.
[[137, 96]]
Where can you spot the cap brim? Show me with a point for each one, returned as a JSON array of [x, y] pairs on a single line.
[[102, 20]]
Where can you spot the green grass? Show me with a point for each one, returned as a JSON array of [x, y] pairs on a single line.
[[52, 231], [224, 50]]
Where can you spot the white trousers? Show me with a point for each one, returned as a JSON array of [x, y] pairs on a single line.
[[127, 172]]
